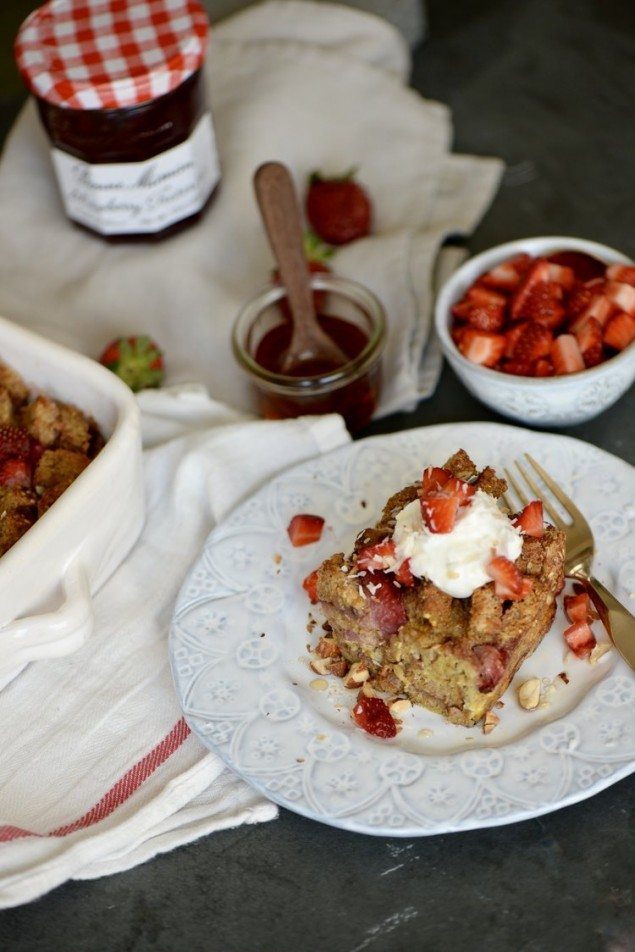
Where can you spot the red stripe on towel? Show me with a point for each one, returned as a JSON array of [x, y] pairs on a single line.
[[119, 792]]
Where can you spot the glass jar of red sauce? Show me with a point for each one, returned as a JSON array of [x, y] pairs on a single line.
[[352, 316], [119, 87]]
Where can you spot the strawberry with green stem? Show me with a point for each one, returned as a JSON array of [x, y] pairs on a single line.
[[338, 209], [137, 360]]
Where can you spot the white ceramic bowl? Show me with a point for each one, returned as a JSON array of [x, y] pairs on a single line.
[[48, 577], [543, 401]]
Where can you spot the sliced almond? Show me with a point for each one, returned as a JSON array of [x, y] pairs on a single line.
[[326, 648], [529, 694], [339, 667], [368, 690], [400, 706], [320, 665], [357, 674], [600, 649], [490, 722]]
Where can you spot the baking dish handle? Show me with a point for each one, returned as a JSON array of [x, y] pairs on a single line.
[[52, 634]]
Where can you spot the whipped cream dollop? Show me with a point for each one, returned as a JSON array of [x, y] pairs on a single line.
[[455, 561]]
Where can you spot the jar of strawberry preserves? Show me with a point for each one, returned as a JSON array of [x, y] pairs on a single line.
[[119, 88]]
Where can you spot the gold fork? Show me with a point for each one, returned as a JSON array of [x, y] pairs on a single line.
[[617, 620]]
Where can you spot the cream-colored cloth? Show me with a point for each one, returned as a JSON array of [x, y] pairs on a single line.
[[317, 86], [98, 770]]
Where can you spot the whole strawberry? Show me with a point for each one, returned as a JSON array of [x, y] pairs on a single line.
[[338, 209], [136, 360]]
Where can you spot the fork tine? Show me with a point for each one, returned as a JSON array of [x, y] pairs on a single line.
[[551, 512], [517, 489], [562, 498]]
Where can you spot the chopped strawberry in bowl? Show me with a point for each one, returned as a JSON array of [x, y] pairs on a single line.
[[542, 329]]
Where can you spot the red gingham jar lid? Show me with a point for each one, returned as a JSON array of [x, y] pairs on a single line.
[[110, 54]]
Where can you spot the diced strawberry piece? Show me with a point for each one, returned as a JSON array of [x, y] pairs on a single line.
[[526, 587], [534, 342], [584, 266], [579, 300], [508, 582], [504, 277], [491, 666], [387, 612], [624, 273], [486, 317], [374, 558], [531, 521], [577, 607], [15, 443], [309, 585], [482, 347], [434, 478], [543, 305], [620, 331], [622, 296], [544, 368], [521, 262], [519, 368], [461, 309], [457, 335], [461, 489], [538, 272], [479, 295], [600, 308], [511, 338], [373, 716], [566, 355], [404, 575], [305, 529], [15, 472], [562, 275], [580, 638], [590, 340], [439, 511]]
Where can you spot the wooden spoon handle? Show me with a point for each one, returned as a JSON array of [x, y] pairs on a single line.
[[280, 212]]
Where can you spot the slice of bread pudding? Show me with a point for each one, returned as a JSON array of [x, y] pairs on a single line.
[[446, 595]]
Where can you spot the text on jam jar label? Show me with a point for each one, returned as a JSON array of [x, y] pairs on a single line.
[[141, 197]]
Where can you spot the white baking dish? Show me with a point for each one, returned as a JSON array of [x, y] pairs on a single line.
[[48, 577]]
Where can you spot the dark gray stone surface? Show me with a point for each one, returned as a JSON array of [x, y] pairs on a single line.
[[548, 85]]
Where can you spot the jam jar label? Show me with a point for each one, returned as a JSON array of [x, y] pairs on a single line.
[[141, 197]]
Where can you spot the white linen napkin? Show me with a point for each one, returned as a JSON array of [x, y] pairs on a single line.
[[99, 771], [316, 85]]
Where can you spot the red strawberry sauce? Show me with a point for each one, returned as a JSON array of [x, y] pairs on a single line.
[[355, 399], [274, 344]]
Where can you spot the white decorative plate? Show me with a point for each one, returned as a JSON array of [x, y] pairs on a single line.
[[240, 664]]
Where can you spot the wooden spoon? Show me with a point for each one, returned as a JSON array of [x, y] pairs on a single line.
[[280, 213]]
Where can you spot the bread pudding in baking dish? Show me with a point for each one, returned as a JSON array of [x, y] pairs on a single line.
[[444, 598], [44, 445]]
